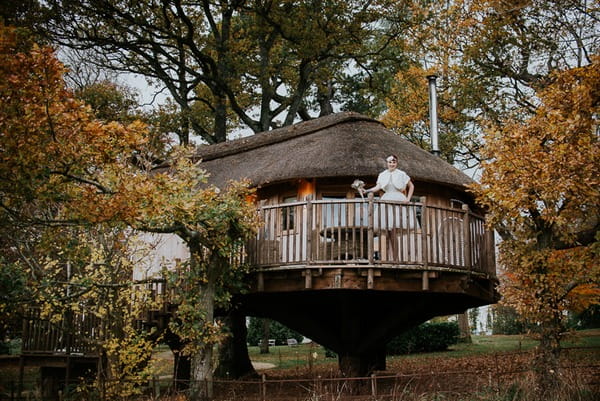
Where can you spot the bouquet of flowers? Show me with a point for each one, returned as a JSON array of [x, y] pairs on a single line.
[[360, 187]]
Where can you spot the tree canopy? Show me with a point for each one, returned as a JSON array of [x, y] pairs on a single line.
[[237, 63], [65, 174], [545, 203], [490, 56]]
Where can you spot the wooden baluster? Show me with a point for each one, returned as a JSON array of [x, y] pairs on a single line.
[[309, 230], [370, 234], [467, 237]]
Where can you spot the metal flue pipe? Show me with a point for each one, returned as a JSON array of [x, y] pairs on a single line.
[[433, 120]]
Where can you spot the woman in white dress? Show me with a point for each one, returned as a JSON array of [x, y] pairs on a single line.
[[394, 183]]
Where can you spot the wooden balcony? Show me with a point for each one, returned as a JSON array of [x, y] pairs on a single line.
[[375, 233]]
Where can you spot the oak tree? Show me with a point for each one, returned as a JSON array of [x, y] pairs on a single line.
[[237, 63], [61, 167], [541, 187]]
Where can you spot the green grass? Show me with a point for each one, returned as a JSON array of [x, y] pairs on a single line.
[[285, 357]]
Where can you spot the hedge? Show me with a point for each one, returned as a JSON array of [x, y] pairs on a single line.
[[428, 337]]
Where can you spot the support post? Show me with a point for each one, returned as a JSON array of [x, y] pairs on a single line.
[[307, 279], [370, 278], [490, 260], [261, 281], [425, 280]]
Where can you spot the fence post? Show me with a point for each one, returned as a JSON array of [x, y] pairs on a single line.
[[263, 388], [424, 232], [156, 386], [373, 385], [424, 244]]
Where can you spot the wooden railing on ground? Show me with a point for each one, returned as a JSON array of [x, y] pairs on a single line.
[[80, 334], [74, 334], [375, 232]]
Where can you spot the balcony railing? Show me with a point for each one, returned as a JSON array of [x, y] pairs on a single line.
[[373, 232]]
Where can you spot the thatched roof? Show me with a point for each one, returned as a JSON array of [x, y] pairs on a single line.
[[339, 145]]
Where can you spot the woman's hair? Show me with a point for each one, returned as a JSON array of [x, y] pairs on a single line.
[[391, 157]]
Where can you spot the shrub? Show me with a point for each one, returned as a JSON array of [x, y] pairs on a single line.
[[428, 337]]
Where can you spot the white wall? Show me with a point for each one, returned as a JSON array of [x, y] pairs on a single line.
[[165, 250]]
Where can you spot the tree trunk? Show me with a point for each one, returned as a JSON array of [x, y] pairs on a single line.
[[264, 343], [352, 365], [546, 363], [234, 361], [360, 366], [463, 325], [201, 386]]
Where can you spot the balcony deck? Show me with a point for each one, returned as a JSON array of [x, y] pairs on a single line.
[[371, 234]]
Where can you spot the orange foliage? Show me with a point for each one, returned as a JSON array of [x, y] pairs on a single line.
[[541, 187], [53, 151]]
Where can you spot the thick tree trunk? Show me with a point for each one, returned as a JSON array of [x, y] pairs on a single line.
[[351, 366], [362, 365], [201, 386], [234, 361], [546, 364]]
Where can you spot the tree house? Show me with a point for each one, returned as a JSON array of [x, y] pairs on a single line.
[[352, 273]]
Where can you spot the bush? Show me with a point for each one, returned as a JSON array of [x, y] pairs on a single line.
[[428, 337], [588, 319]]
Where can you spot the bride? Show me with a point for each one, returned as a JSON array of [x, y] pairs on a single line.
[[394, 183]]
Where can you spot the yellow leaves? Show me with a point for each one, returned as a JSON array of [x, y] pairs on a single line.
[[543, 283], [128, 365], [544, 171], [584, 296]]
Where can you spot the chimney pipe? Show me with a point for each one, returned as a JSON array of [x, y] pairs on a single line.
[[433, 123]]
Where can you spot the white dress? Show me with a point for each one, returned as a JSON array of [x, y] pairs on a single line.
[[393, 183]]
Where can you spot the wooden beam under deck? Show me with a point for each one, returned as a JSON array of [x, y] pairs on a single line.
[[365, 277]]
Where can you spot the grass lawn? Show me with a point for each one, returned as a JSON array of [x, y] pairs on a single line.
[[286, 357]]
